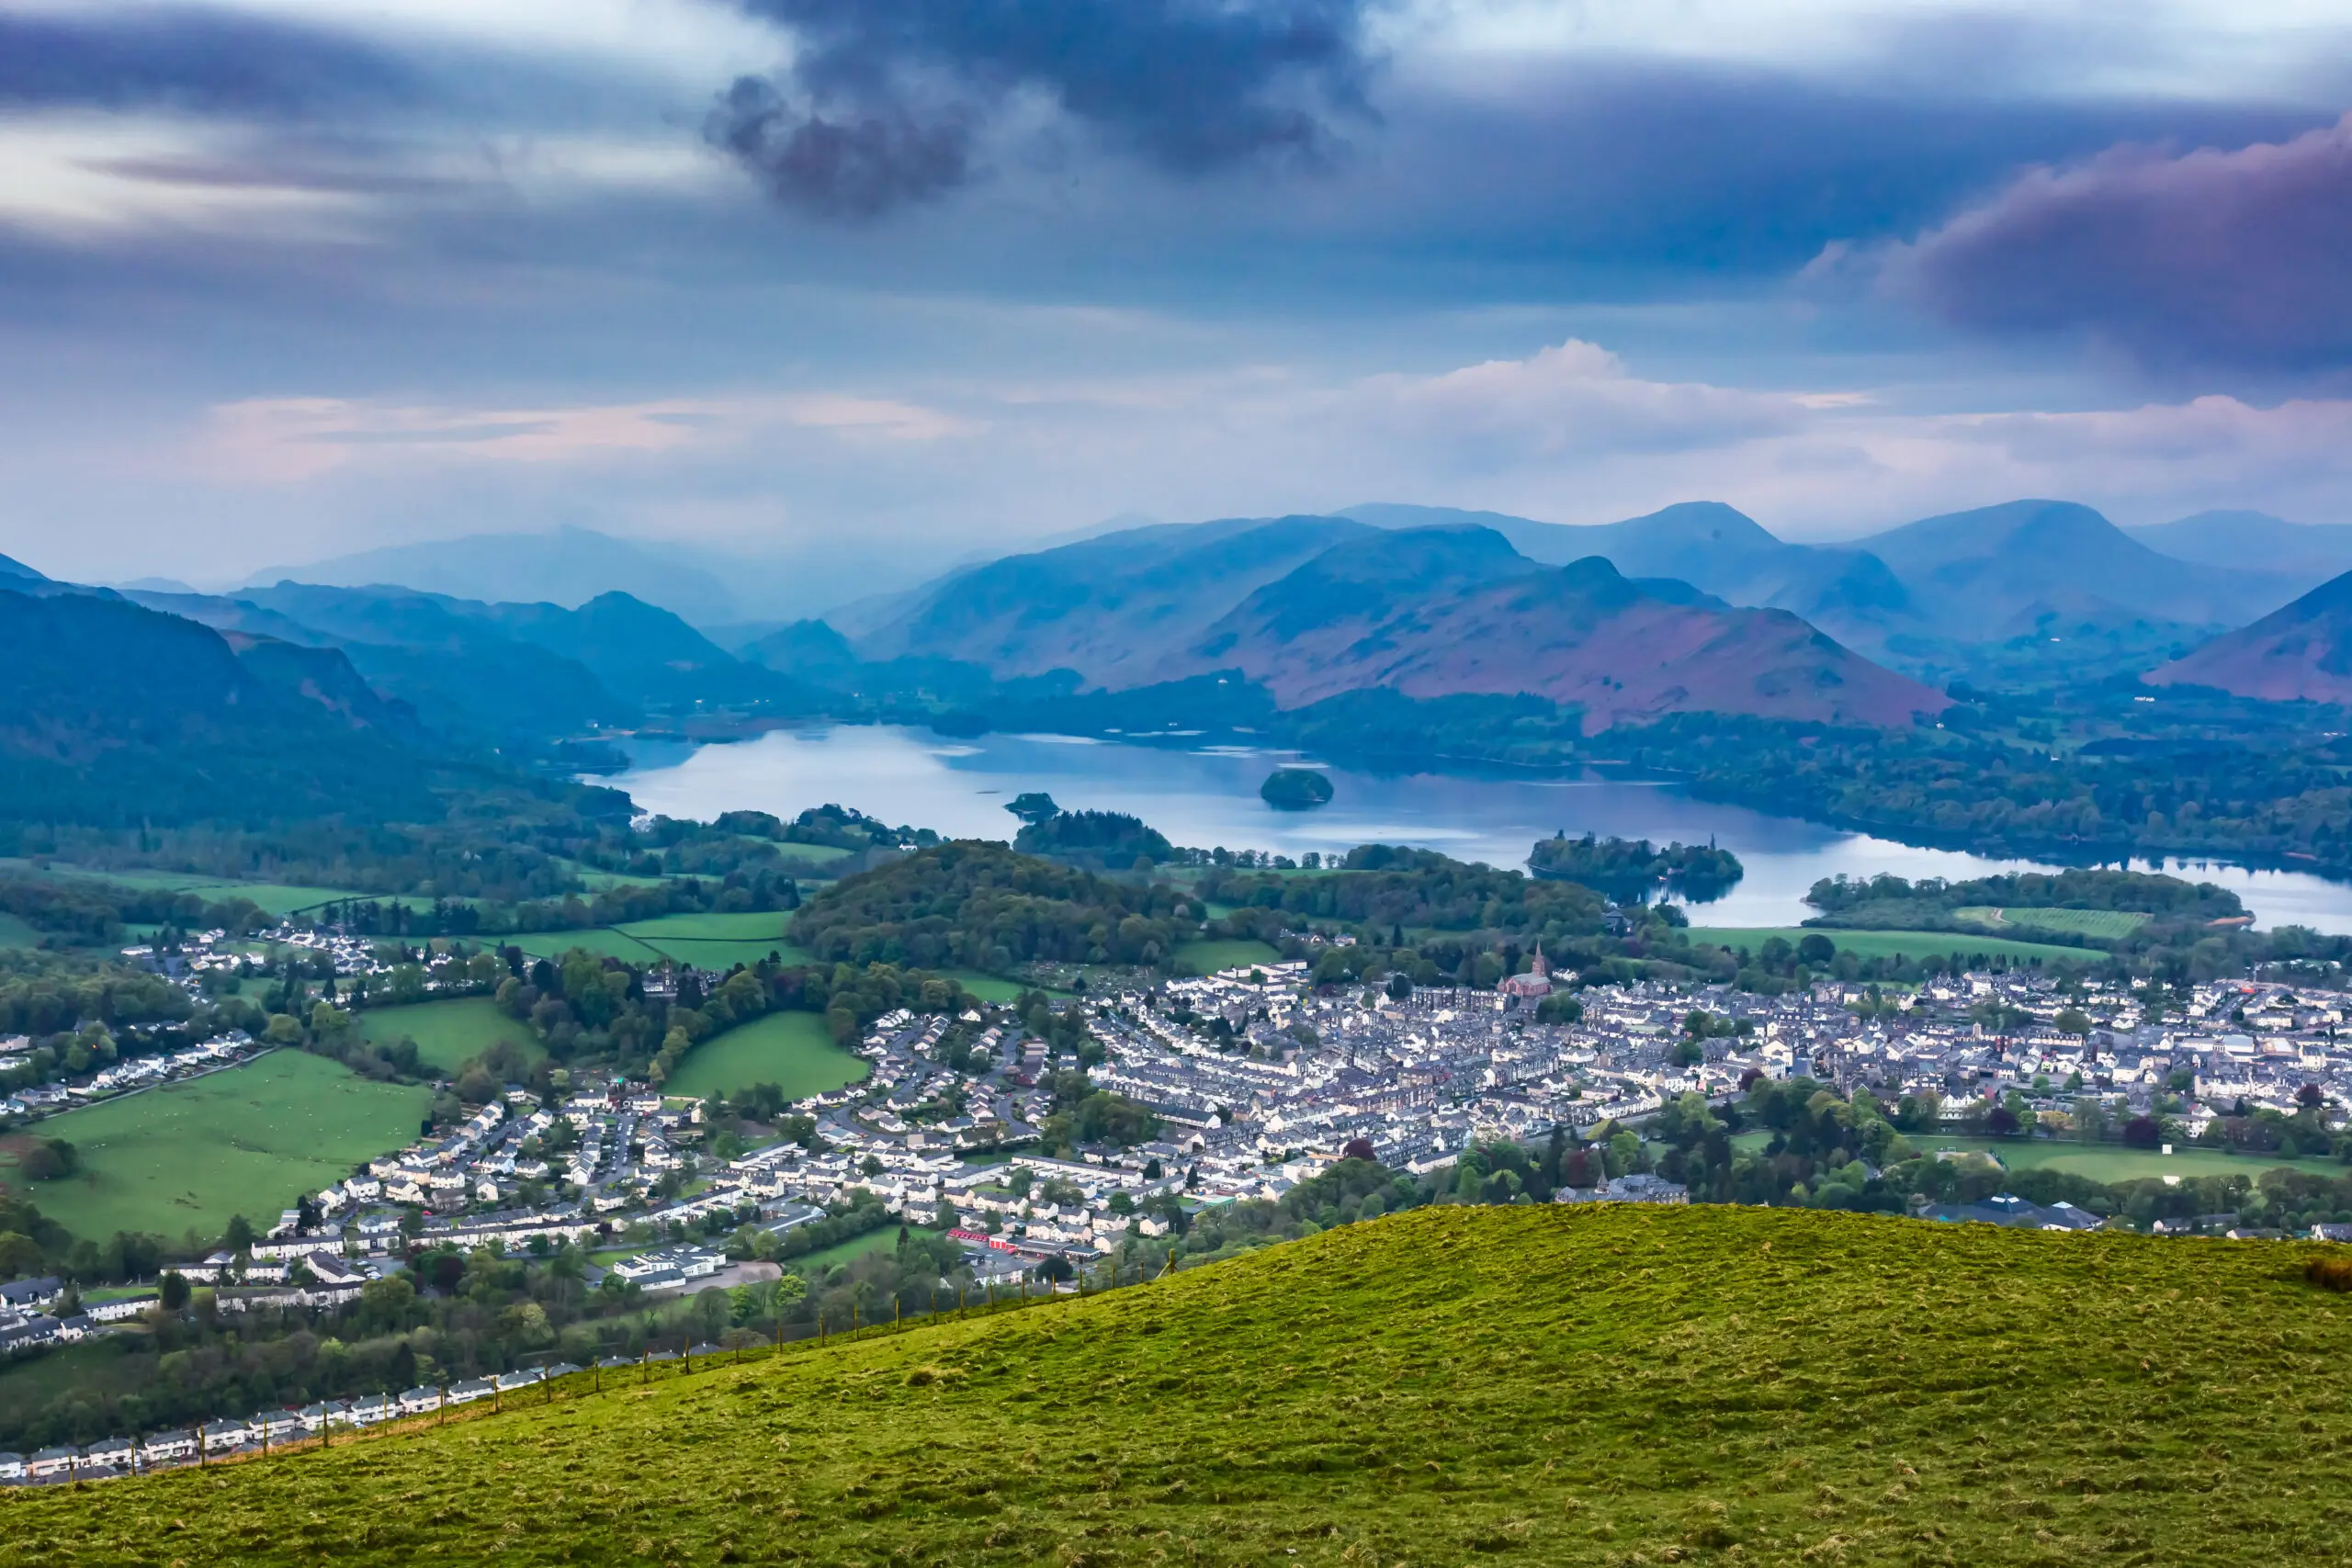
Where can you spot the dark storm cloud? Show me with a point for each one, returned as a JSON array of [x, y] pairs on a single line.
[[204, 61], [2240, 258], [885, 97]]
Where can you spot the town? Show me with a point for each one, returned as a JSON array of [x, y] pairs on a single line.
[[1253, 1079]]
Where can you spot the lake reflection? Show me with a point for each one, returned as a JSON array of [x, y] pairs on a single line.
[[1209, 797]]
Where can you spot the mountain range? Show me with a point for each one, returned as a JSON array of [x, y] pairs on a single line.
[[712, 588], [495, 669], [2024, 569], [1310, 607]]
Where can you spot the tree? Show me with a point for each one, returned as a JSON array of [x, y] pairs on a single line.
[[239, 1236], [174, 1292], [2073, 1021], [1354, 1148]]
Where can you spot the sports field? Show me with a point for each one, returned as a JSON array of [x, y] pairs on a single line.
[[449, 1033], [2113, 1162], [1207, 957], [247, 1141], [787, 1049], [2098, 925], [1890, 944]]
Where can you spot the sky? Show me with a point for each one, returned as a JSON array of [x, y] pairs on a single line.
[[879, 285]]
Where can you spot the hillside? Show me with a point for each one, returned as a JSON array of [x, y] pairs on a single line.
[[1439, 612], [1114, 608], [1846, 592], [111, 712], [1606, 1384], [2301, 653], [1310, 607], [2033, 568]]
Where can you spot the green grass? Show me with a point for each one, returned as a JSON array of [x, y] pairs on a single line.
[[95, 1367], [2098, 925], [449, 1033], [1890, 944], [705, 942], [766, 927], [249, 1141], [1207, 957], [856, 1248], [725, 955], [789, 1049], [16, 932], [602, 941], [988, 987], [2113, 1162], [278, 897], [1535, 1386]]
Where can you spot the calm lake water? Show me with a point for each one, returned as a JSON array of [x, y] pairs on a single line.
[[1209, 797]]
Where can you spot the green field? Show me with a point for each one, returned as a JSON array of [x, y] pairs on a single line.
[[449, 1033], [278, 897], [2113, 1162], [602, 941], [16, 931], [988, 987], [249, 1141], [1604, 1385], [789, 1049], [1890, 944], [766, 927], [856, 1246], [705, 942], [2098, 925], [1206, 957]]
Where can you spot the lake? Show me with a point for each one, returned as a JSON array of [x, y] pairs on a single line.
[[1209, 797]]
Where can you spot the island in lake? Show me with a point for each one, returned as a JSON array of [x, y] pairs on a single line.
[[1295, 789]]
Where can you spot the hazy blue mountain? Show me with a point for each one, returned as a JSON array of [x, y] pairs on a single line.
[[462, 671], [11, 567], [224, 613], [2256, 540], [2028, 566], [806, 650], [639, 650], [1114, 608], [569, 567], [113, 713]]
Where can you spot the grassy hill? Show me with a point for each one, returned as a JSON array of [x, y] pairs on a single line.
[[1537, 1385]]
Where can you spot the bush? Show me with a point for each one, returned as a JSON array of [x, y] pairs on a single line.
[[2333, 1272]]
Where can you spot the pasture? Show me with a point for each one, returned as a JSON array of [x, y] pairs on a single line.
[[1205, 956], [2097, 925], [247, 1141], [449, 1033], [2113, 1162], [1894, 944], [790, 1050]]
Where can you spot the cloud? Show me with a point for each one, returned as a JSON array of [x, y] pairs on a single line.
[[1572, 400], [2234, 259], [885, 98], [203, 60], [279, 440]]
